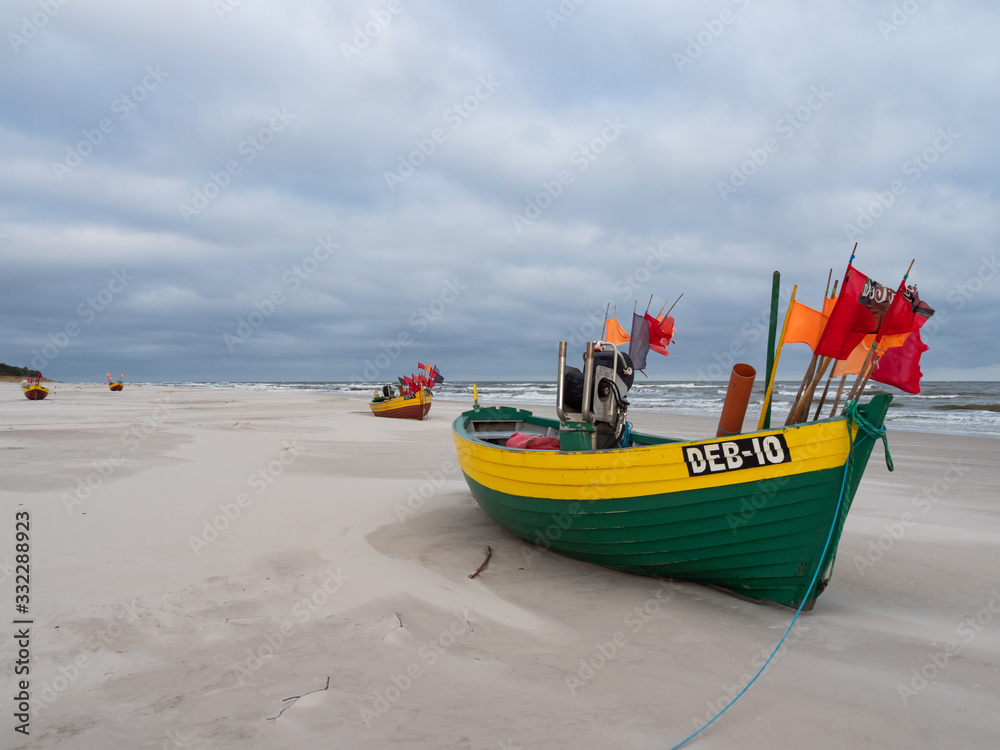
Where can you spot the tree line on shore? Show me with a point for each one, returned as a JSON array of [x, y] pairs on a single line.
[[20, 372]]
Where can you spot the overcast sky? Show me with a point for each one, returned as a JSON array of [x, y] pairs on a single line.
[[251, 190]]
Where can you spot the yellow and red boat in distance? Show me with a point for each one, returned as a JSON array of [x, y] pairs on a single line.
[[414, 395], [116, 385], [758, 514], [33, 388], [408, 406]]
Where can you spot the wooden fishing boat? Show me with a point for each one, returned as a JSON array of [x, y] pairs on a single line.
[[116, 385], [34, 390], [758, 514], [409, 406]]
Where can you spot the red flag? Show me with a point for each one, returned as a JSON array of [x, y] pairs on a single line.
[[661, 333], [900, 366], [857, 312], [906, 311]]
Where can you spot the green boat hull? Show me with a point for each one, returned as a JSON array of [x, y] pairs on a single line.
[[763, 539]]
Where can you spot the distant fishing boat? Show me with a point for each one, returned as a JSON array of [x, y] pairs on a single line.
[[414, 395], [33, 388], [116, 385], [409, 406], [758, 514]]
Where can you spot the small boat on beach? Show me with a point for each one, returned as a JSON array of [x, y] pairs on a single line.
[[406, 406], [33, 388], [414, 397], [758, 514], [116, 385]]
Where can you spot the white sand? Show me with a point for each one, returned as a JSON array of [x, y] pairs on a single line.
[[332, 565]]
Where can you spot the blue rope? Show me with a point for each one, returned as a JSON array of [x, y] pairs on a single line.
[[626, 435], [867, 429]]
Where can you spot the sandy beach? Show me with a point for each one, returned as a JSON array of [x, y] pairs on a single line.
[[263, 569]]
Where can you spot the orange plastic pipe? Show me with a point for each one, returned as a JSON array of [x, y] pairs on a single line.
[[734, 408]]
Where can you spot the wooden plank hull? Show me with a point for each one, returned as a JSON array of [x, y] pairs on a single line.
[[115, 386], [36, 392], [755, 528], [415, 407]]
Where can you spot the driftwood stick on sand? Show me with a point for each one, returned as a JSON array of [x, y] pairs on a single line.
[[489, 554], [294, 698]]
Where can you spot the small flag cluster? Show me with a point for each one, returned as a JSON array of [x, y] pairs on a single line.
[[426, 378], [648, 333]]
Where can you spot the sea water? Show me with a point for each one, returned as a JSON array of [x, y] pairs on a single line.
[[952, 407]]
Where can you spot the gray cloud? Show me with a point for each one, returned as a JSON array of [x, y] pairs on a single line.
[[493, 176]]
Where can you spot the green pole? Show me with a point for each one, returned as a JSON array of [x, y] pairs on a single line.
[[771, 332]]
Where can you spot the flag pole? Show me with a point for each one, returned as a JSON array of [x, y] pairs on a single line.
[[840, 392], [811, 370], [675, 303], [649, 303], [604, 333], [802, 410], [826, 390], [765, 408]]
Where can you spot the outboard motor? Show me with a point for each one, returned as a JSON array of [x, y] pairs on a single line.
[[605, 406]]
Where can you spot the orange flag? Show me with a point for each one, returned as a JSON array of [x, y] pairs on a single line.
[[853, 364], [805, 325], [614, 333]]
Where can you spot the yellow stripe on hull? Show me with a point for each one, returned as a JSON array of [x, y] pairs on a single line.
[[381, 408], [640, 471]]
